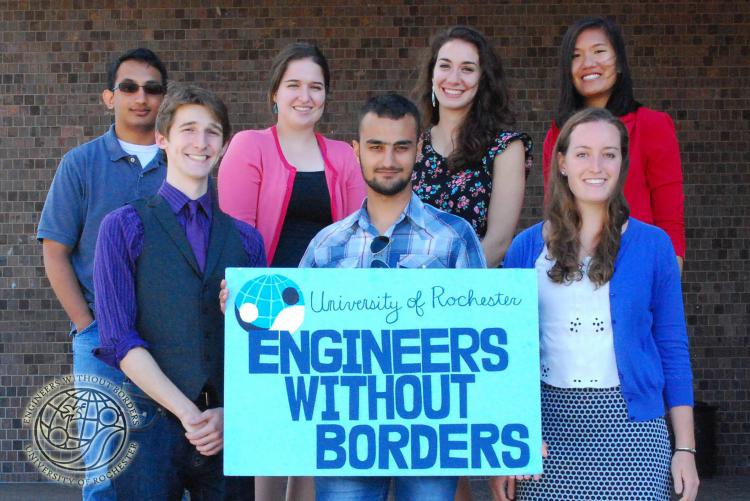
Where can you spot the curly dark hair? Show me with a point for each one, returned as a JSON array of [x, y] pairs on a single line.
[[564, 219], [490, 111]]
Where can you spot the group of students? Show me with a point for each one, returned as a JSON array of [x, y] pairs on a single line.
[[437, 184]]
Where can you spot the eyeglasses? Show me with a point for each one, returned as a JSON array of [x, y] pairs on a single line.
[[130, 87], [377, 246]]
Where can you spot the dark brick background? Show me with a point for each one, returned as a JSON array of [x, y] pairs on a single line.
[[688, 58]]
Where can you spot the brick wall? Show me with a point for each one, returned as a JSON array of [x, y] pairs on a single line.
[[688, 58]]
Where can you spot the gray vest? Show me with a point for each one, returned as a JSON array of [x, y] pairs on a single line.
[[178, 306]]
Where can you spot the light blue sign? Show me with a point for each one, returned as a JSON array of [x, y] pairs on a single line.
[[369, 372]]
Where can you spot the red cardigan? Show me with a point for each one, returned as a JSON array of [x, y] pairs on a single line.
[[654, 185]]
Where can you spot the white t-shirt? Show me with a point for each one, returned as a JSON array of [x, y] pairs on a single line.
[[145, 153], [575, 329]]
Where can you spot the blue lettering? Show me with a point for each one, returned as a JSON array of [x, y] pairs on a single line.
[[483, 439], [430, 411], [447, 446], [508, 439], [257, 349], [368, 448], [354, 383], [392, 447], [329, 412], [373, 395], [300, 354], [420, 433], [459, 352], [401, 351], [489, 347], [299, 397], [329, 439], [416, 396], [381, 352], [428, 349], [463, 381], [351, 366], [332, 355]]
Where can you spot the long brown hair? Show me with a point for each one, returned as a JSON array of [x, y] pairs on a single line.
[[564, 219], [490, 111]]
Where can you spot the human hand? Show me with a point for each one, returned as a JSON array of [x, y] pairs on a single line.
[[685, 475], [207, 433], [223, 296], [502, 488], [537, 476]]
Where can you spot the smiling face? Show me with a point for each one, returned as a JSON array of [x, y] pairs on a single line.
[[301, 95], [387, 150], [135, 113], [594, 67], [456, 75], [193, 146], [592, 163]]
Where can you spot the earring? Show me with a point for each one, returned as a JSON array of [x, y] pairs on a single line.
[[275, 109], [565, 174], [434, 99]]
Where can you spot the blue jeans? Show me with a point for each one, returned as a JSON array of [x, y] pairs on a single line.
[[84, 362], [376, 488], [166, 463]]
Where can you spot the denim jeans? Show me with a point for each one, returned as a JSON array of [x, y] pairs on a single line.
[[376, 488], [85, 363], [166, 463]]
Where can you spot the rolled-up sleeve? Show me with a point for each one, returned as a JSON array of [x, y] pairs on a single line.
[[119, 244]]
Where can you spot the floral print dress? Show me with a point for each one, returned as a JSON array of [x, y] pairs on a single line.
[[465, 193]]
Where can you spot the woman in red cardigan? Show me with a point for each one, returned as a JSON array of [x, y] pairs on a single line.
[[594, 72]]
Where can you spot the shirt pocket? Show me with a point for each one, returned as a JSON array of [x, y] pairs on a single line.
[[420, 261]]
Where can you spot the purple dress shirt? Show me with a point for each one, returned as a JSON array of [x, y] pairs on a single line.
[[118, 247]]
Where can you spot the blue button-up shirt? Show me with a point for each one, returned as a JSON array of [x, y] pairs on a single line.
[[92, 180], [421, 237]]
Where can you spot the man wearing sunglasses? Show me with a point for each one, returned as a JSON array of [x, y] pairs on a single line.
[[392, 229], [93, 179]]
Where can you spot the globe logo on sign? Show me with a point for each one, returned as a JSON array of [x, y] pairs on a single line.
[[78, 423], [270, 302]]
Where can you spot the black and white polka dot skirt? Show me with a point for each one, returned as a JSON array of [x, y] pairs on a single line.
[[596, 452]]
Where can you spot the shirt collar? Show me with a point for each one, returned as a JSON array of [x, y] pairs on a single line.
[[414, 212], [116, 153], [177, 199]]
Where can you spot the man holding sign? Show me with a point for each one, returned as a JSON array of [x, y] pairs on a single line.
[[393, 229]]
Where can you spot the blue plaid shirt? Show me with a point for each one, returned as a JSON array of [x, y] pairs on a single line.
[[422, 237]]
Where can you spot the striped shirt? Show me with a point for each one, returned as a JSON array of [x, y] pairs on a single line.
[[421, 237]]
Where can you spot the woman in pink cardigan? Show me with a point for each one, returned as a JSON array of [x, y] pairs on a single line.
[[289, 181]]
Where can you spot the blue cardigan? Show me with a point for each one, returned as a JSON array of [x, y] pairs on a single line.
[[648, 317]]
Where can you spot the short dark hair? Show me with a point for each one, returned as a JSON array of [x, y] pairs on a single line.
[[139, 54], [179, 94], [393, 106], [621, 101], [295, 52]]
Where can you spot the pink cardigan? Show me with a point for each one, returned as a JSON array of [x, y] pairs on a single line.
[[255, 181]]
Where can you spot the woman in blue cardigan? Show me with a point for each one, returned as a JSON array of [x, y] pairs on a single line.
[[614, 348]]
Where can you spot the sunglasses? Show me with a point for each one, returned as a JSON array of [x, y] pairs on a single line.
[[130, 87], [377, 246]]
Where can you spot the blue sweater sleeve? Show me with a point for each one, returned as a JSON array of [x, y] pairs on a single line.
[[669, 329]]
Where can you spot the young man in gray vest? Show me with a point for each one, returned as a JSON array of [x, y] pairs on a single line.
[[158, 266]]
